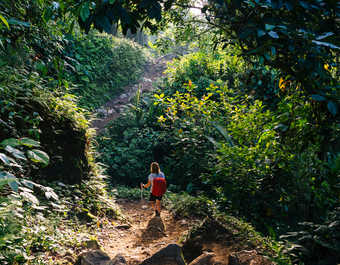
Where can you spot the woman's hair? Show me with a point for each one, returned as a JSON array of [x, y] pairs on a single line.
[[155, 168]]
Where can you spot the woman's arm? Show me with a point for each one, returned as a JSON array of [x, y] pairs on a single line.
[[147, 185]]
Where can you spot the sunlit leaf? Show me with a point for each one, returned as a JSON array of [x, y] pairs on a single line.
[[326, 44], [4, 20], [29, 142], [10, 141], [325, 35], [8, 178], [4, 159], [15, 152], [38, 156], [273, 34], [29, 197], [51, 194]]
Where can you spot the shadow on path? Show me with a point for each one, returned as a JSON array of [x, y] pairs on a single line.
[[154, 230]]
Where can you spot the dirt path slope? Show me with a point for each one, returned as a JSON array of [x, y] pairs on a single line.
[[111, 110]]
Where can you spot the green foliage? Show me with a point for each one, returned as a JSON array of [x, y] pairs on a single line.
[[182, 205], [28, 109], [130, 15], [132, 194], [297, 37], [101, 65], [268, 161], [204, 69], [129, 149], [313, 239]]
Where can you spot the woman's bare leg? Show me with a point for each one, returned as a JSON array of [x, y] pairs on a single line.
[[158, 205]]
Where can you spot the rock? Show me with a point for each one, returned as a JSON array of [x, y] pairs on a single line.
[[126, 226], [94, 257], [250, 257], [118, 260], [171, 253], [204, 259], [207, 231], [98, 257], [92, 244]]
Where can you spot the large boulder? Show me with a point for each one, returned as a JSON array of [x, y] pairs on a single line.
[[170, 255]]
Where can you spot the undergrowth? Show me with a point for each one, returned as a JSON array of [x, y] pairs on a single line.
[[101, 65]]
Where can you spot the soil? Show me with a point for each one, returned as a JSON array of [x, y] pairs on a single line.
[[147, 233]]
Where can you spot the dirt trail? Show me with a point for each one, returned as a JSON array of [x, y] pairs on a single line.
[[145, 235], [112, 109]]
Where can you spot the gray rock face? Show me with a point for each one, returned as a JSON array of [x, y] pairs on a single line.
[[98, 257], [171, 254], [94, 257]]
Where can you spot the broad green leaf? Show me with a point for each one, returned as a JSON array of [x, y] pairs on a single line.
[[38, 156], [85, 79], [269, 27], [3, 182], [84, 11], [10, 179], [13, 21], [5, 175], [10, 141], [260, 33], [326, 44], [224, 133], [5, 159], [51, 194], [273, 34], [325, 35], [332, 107], [15, 152], [14, 185], [28, 183], [4, 21], [29, 142], [112, 1], [318, 97]]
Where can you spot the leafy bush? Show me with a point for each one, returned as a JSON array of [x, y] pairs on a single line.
[[132, 194], [101, 65], [316, 243], [28, 109], [182, 205]]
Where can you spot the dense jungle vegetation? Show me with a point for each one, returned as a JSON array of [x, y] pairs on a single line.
[[245, 121]]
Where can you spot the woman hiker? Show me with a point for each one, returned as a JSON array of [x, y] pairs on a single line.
[[158, 187]]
